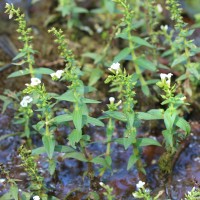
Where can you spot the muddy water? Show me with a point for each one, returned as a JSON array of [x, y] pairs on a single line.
[[68, 179]]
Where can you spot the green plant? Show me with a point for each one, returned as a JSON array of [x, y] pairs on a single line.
[[125, 83], [71, 10], [172, 118], [193, 194], [27, 52], [30, 166], [108, 193]]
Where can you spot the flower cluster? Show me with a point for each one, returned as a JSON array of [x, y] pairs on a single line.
[[57, 74], [25, 101], [34, 82]]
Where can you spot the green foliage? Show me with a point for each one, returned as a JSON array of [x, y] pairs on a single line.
[[30, 166], [141, 53], [27, 52]]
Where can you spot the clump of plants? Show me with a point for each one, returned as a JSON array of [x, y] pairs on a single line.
[[134, 70]]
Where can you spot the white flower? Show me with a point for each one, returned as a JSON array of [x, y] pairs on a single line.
[[159, 8], [166, 78], [28, 99], [169, 75], [57, 74], [25, 101], [114, 66], [183, 98], [168, 82], [36, 198], [164, 27], [163, 76], [111, 99], [35, 81], [140, 184], [101, 183]]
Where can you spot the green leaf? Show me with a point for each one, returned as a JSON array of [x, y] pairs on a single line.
[[27, 71], [52, 166], [19, 73], [39, 150], [62, 118], [153, 114], [79, 10], [179, 60], [74, 137], [169, 119], [183, 124], [42, 70], [182, 77], [94, 121], [168, 137], [145, 89], [85, 100], [132, 160], [122, 54], [63, 149], [147, 141], [19, 55], [6, 101], [99, 161], [77, 117], [95, 76], [49, 144], [77, 156], [122, 35], [14, 191], [141, 41], [145, 64], [67, 96], [116, 115]]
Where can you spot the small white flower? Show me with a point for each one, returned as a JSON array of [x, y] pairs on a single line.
[[101, 183], [169, 75], [35, 81], [23, 103], [183, 98], [140, 184], [114, 66], [168, 82], [163, 76], [10, 15], [57, 74], [166, 78], [28, 99], [36, 198], [111, 99], [159, 8], [164, 27]]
